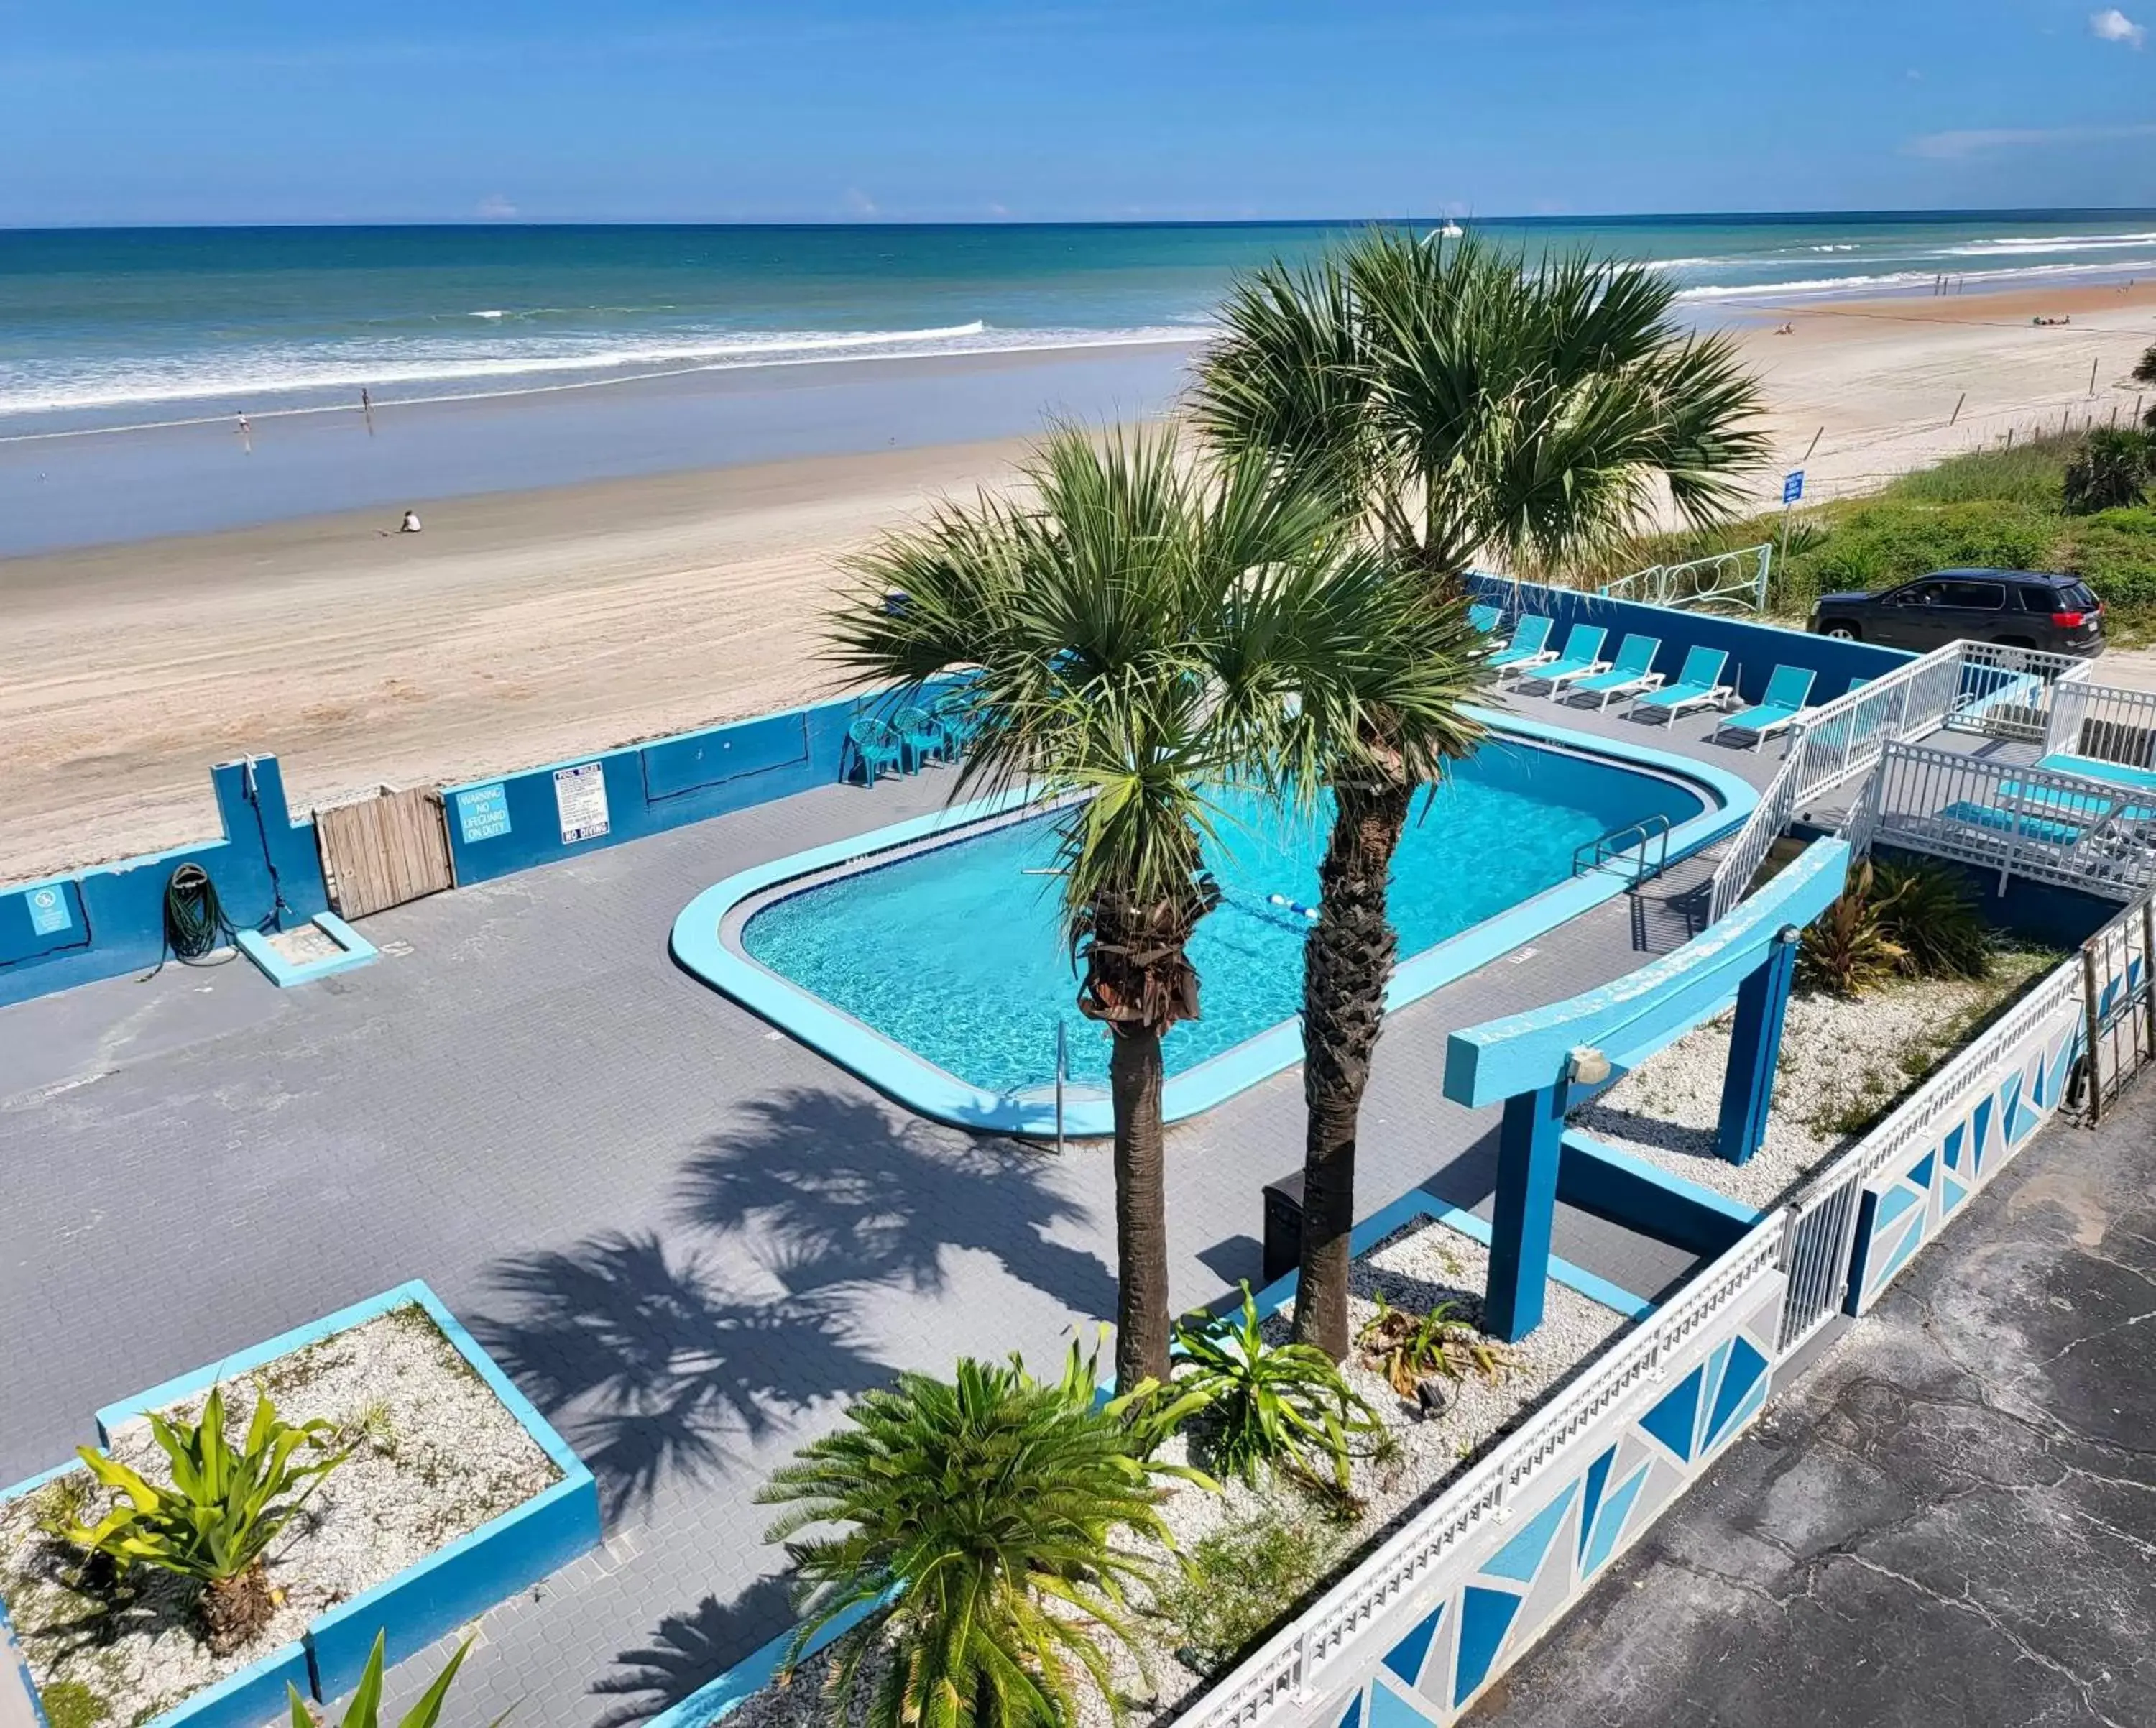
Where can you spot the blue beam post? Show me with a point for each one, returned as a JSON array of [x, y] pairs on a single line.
[[1529, 1150], [1747, 1085]]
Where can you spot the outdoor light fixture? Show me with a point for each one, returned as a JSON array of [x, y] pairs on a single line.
[[1587, 1066]]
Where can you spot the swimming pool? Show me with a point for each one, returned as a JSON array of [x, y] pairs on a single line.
[[929, 957]]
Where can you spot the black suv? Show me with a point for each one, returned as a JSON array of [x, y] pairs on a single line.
[[2020, 609]]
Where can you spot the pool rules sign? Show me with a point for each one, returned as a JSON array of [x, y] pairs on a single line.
[[580, 799]]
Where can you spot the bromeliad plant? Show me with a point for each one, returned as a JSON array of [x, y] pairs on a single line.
[[224, 1507], [1404, 1349], [1270, 1405], [976, 1520]]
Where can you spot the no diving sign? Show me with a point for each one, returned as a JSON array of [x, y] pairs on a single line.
[[49, 912], [580, 799]]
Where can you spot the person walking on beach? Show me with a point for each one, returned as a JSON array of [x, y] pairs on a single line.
[[246, 435]]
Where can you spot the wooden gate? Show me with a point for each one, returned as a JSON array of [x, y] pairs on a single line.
[[384, 851]]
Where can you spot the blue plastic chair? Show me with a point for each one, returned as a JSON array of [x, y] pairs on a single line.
[[876, 746], [1485, 619], [920, 734], [1785, 700], [953, 712], [1698, 686], [1529, 646], [1582, 657], [1632, 672]]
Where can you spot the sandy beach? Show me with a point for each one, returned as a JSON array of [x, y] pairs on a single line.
[[523, 626]]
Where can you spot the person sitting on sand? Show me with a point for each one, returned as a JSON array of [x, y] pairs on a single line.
[[410, 525]]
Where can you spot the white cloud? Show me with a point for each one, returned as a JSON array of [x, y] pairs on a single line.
[[2113, 25], [1956, 146], [495, 208]]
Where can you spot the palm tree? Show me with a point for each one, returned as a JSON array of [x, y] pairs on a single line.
[[976, 1514], [1451, 405], [1128, 639]]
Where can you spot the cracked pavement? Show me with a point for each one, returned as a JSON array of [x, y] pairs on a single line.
[[1951, 1519]]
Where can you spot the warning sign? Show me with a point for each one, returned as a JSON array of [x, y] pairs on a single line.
[[580, 797]]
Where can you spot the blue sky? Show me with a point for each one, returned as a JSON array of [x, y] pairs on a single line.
[[233, 110]]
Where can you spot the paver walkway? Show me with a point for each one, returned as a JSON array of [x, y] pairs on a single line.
[[1951, 1520], [687, 1237]]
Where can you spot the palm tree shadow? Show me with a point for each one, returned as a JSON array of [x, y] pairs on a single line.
[[688, 1651], [835, 1190], [650, 1365]]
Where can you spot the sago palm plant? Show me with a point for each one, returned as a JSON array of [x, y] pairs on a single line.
[[1450, 405], [979, 1514], [1133, 639]]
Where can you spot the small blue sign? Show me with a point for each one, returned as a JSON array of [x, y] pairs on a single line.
[[483, 812], [1793, 487], [48, 911]]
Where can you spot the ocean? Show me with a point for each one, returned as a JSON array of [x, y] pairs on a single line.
[[102, 328]]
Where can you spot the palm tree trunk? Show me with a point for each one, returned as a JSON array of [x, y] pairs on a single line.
[[1348, 962], [1134, 1081]]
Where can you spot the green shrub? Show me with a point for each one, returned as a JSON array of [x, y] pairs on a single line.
[[1266, 1404], [1929, 913], [224, 1508], [2110, 471], [977, 1516], [1242, 1581], [365, 1710]]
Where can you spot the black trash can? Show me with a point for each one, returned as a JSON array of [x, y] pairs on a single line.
[[1283, 1226]]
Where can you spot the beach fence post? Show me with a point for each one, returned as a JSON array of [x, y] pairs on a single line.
[[2092, 375], [1956, 414]]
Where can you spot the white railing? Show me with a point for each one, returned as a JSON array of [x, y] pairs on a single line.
[[2007, 692], [2038, 823], [1736, 578], [1845, 737], [1289, 1664], [2098, 720], [1748, 850]]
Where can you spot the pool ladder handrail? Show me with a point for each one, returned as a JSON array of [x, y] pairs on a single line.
[[1594, 854]]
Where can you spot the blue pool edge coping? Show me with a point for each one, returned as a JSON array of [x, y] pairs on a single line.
[[484, 1566], [699, 946], [718, 1698]]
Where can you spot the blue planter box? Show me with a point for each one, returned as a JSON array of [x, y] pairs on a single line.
[[423, 1602]]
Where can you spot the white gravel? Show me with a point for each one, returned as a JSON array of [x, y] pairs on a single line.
[[1844, 1065], [1420, 1265], [435, 1455]]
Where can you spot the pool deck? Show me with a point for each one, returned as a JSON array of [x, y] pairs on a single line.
[[687, 1236]]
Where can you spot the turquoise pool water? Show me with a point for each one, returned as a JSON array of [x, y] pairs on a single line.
[[955, 952]]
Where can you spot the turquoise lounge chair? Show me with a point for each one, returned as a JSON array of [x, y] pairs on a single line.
[[1485, 619], [878, 748], [2091, 768], [921, 734], [1529, 646], [1785, 702], [2013, 823], [1582, 654], [1632, 672], [1699, 685], [2091, 806]]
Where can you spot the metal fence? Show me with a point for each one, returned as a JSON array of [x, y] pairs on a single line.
[[1748, 852], [2037, 822], [1732, 579], [2009, 692], [1845, 736], [2118, 1002]]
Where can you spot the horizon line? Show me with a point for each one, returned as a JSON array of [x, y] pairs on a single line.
[[2061, 211]]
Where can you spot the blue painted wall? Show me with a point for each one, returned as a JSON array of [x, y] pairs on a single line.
[[2038, 912], [512, 822], [1754, 649], [102, 922]]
